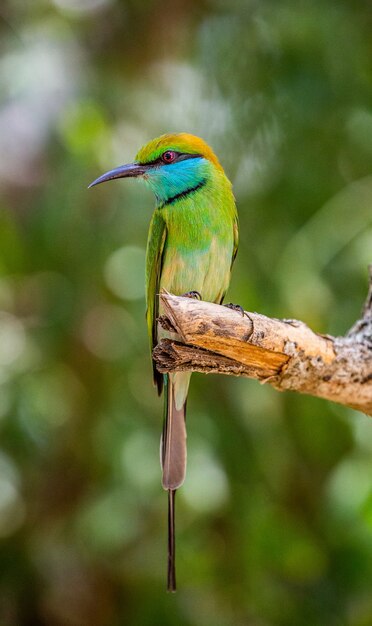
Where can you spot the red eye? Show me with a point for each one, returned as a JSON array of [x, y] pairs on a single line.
[[168, 156]]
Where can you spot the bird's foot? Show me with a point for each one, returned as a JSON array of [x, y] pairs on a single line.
[[236, 307], [194, 295]]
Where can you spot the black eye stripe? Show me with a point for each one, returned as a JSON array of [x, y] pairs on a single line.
[[180, 156], [184, 157]]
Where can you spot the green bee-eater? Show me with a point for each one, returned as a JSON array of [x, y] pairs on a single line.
[[192, 243]]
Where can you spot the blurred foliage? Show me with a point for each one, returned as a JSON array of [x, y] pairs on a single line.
[[275, 518]]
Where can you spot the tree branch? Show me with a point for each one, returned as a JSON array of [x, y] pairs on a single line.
[[284, 353]]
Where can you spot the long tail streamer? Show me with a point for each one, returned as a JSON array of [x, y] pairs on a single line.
[[171, 586]]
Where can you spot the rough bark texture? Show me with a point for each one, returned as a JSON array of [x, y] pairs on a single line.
[[284, 353]]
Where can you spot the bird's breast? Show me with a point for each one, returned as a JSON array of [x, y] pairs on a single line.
[[199, 244], [206, 270]]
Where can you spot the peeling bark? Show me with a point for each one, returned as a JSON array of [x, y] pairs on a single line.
[[284, 353]]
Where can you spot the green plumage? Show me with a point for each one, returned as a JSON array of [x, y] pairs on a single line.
[[191, 247]]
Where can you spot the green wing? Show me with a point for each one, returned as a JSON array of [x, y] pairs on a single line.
[[154, 261]]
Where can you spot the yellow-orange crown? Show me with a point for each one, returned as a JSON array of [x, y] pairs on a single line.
[[179, 142]]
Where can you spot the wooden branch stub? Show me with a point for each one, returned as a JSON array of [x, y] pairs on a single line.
[[227, 336], [285, 353]]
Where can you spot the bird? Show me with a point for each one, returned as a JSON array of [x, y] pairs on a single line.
[[191, 247]]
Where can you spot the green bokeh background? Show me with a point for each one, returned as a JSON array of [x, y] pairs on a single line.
[[275, 518]]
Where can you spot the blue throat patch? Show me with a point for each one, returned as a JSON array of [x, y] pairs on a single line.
[[175, 180]]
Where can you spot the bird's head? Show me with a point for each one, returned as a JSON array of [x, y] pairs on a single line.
[[172, 165]]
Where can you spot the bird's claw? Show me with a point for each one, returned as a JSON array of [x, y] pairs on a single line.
[[235, 307], [194, 295]]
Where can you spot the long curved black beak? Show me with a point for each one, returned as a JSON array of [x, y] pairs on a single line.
[[124, 171]]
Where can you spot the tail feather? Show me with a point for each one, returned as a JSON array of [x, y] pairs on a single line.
[[173, 454], [174, 435]]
